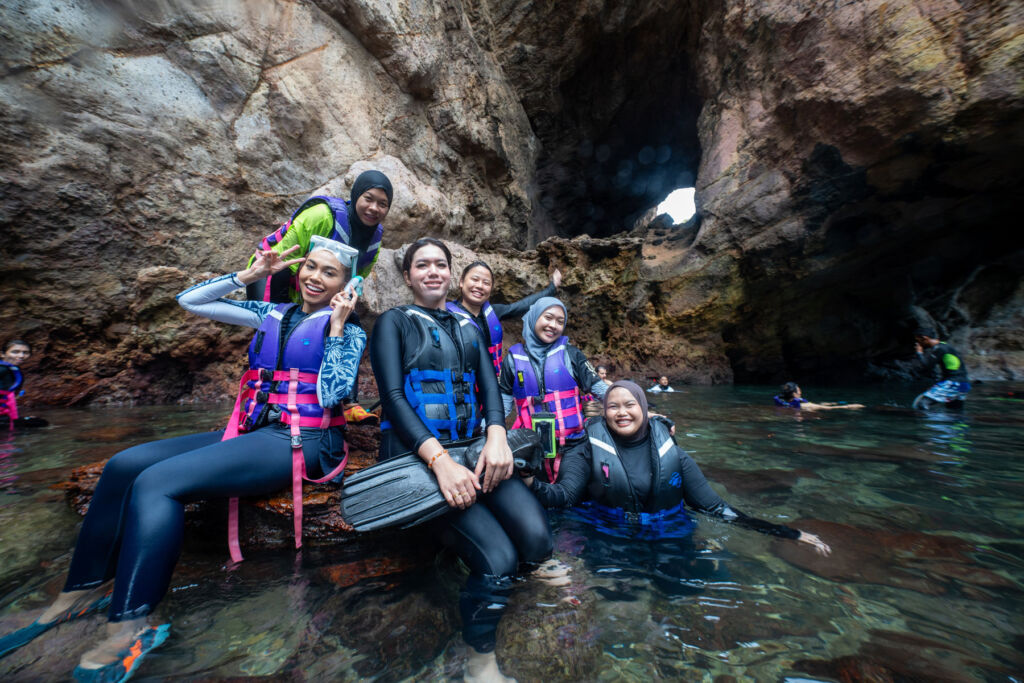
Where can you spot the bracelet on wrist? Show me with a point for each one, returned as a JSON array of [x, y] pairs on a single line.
[[430, 463]]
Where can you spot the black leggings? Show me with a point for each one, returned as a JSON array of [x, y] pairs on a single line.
[[505, 527], [133, 529]]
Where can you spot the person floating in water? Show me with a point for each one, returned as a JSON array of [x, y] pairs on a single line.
[[933, 354], [302, 361], [790, 396], [636, 476], [662, 386], [11, 380], [474, 304]]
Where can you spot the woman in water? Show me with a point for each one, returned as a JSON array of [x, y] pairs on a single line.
[[11, 380], [302, 356], [546, 374], [474, 304], [433, 372], [633, 473], [790, 396]]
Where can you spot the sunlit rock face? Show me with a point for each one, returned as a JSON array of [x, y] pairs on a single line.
[[856, 170]]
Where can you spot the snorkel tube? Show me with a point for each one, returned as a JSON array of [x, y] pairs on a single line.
[[355, 285]]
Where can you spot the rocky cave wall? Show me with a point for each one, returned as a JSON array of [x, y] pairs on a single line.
[[855, 165]]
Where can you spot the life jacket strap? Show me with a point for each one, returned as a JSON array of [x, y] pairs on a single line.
[[289, 415], [9, 407]]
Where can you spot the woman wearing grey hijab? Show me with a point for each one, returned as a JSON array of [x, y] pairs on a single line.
[[638, 480], [546, 377]]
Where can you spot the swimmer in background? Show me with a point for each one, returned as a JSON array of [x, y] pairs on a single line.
[[790, 396], [662, 386], [933, 354], [12, 385]]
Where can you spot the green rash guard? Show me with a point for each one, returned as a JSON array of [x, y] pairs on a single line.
[[318, 219]]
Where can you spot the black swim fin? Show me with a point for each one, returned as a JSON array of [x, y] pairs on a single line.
[[403, 491]]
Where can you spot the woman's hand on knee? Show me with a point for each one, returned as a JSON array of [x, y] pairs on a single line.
[[495, 463]]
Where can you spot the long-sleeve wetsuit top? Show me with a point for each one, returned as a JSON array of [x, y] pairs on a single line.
[[576, 469], [947, 359], [516, 309], [392, 334], [579, 367], [341, 354]]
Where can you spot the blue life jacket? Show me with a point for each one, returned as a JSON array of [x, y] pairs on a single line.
[[440, 377], [610, 486], [493, 325], [792, 403]]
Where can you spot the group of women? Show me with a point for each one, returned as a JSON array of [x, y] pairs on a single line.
[[443, 378]]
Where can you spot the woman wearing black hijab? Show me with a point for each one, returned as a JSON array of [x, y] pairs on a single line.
[[638, 480], [357, 222]]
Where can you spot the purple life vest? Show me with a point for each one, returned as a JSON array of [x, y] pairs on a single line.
[[562, 393], [342, 231], [492, 323], [302, 350]]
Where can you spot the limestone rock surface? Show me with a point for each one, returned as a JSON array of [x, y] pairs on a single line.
[[857, 168]]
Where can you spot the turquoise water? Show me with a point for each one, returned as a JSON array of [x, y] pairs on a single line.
[[925, 582]]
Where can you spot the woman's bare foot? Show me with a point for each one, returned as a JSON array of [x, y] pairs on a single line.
[[71, 601], [483, 667], [120, 636]]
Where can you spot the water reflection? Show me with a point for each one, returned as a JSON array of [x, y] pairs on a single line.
[[923, 513]]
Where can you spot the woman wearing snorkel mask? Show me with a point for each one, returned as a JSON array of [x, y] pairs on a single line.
[[287, 425]]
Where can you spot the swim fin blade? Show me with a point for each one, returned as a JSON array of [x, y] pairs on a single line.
[[403, 491]]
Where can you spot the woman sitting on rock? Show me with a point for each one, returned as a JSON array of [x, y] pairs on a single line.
[[434, 374], [637, 480], [302, 362], [474, 304], [546, 377]]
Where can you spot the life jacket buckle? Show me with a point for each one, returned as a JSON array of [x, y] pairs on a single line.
[[262, 396], [266, 375], [296, 441], [633, 517]]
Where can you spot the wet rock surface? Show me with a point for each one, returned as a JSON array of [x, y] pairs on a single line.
[[855, 166], [266, 522]]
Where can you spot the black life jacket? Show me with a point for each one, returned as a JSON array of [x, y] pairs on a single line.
[[609, 484]]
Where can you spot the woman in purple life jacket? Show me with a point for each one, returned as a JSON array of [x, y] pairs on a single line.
[[547, 374], [474, 303], [292, 428]]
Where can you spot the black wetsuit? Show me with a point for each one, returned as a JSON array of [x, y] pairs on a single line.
[[506, 526], [7, 378], [577, 467], [947, 359]]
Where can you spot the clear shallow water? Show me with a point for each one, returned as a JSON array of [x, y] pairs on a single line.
[[926, 581]]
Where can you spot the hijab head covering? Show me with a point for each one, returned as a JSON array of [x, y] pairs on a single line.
[[641, 400], [368, 180], [534, 346], [345, 254]]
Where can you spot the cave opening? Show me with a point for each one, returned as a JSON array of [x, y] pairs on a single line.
[[620, 133], [679, 205]]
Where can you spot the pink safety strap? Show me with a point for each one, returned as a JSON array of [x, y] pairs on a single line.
[[230, 432], [298, 460], [10, 407]]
